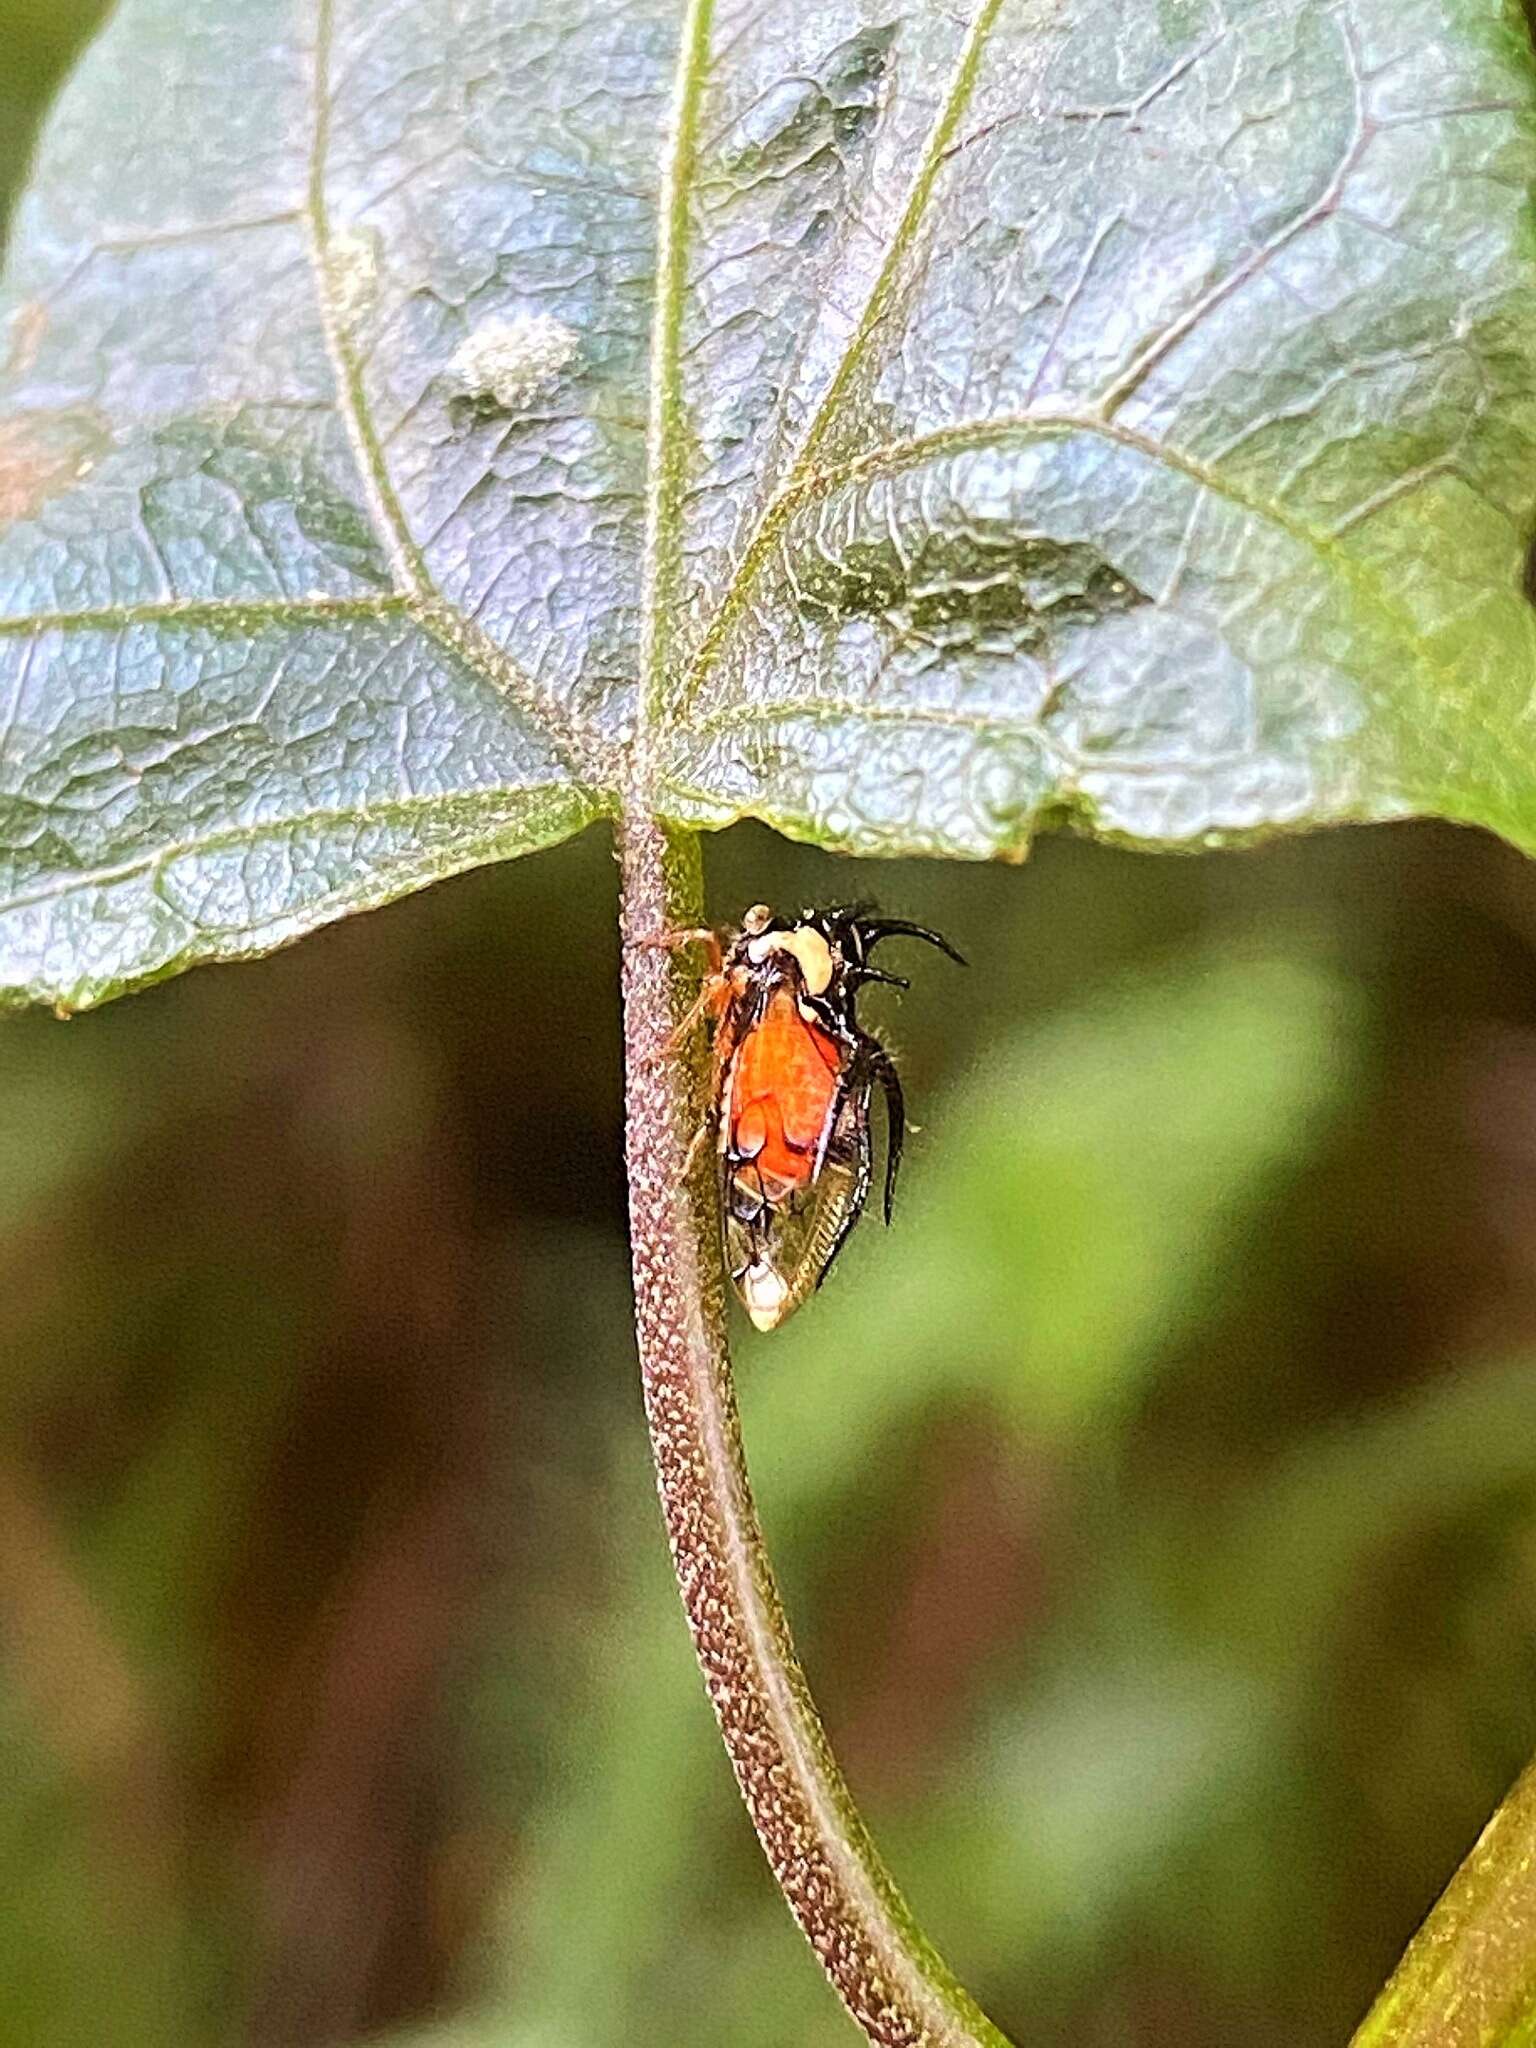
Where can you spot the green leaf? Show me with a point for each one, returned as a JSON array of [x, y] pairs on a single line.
[[421, 428]]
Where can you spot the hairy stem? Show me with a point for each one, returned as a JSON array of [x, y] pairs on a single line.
[[887, 1975]]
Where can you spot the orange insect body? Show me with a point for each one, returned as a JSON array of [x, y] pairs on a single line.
[[784, 1083], [794, 1075]]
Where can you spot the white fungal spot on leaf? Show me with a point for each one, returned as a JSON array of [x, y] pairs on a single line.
[[511, 359], [354, 267]]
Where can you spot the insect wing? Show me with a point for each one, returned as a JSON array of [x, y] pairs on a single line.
[[779, 1252]]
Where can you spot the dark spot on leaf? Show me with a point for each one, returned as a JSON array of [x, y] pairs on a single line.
[[818, 229], [854, 77], [21, 833], [266, 464], [831, 107], [1528, 579], [986, 593], [1069, 810], [468, 410], [339, 530]]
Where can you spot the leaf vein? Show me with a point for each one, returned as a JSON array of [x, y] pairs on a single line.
[[1327, 202], [235, 612], [388, 516], [402, 809], [667, 424], [935, 153]]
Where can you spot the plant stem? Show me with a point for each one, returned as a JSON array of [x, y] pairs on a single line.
[[1468, 1979], [890, 1979]]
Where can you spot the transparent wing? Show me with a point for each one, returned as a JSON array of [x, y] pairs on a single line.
[[780, 1243]]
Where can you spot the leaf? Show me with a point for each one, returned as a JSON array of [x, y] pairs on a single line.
[[425, 427]]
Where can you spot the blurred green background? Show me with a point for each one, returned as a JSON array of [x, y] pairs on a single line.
[[1156, 1504]]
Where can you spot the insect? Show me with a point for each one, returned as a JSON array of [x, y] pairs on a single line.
[[795, 1074]]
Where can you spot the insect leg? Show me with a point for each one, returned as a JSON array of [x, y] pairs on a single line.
[[691, 1156], [692, 935], [682, 1031], [685, 1027]]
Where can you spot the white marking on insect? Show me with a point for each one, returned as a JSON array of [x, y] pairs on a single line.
[[806, 946], [764, 1293]]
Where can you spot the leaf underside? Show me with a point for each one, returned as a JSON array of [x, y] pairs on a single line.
[[423, 428]]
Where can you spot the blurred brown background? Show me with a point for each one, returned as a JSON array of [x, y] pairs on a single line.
[[1157, 1504]]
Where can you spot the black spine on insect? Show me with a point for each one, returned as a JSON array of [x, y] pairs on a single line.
[[855, 932]]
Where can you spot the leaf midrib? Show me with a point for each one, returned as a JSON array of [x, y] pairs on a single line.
[[667, 432]]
